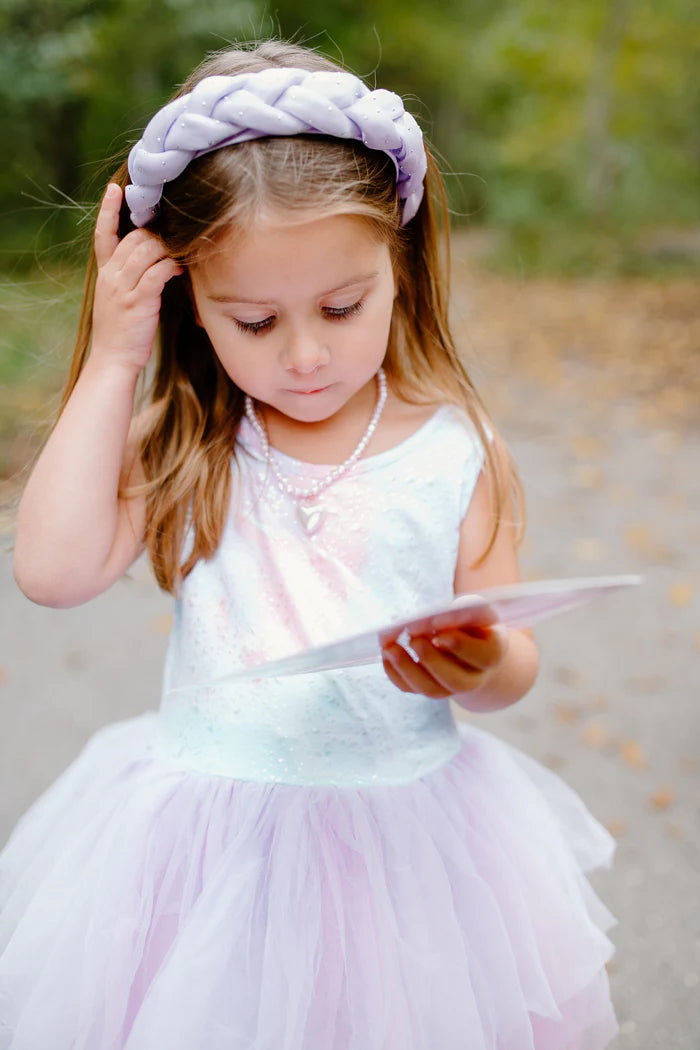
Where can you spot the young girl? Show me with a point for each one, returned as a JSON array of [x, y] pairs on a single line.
[[322, 862]]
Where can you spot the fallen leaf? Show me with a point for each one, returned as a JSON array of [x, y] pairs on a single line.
[[589, 549], [633, 754], [667, 442], [162, 623], [552, 761], [675, 400], [638, 538], [586, 476], [680, 594], [74, 660], [621, 494], [595, 734], [547, 371], [617, 828], [674, 502], [648, 683], [663, 797], [649, 415], [601, 393], [569, 675], [586, 446], [565, 714]]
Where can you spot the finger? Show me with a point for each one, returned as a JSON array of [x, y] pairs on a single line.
[[107, 225], [157, 276], [454, 676], [415, 677], [134, 258], [394, 675], [481, 648]]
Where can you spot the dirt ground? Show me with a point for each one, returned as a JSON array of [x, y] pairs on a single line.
[[595, 386]]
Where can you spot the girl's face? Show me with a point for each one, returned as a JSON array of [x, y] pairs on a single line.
[[299, 314]]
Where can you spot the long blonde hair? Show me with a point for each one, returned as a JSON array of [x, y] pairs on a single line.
[[186, 430]]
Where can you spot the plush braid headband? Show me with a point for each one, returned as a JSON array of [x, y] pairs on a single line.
[[222, 111]]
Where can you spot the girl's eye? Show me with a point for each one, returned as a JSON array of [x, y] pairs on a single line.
[[333, 313], [254, 326], [337, 313]]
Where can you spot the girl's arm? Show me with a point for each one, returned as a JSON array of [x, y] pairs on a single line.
[[75, 536], [483, 668]]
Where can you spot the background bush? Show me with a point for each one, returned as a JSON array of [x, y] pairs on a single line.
[[575, 128]]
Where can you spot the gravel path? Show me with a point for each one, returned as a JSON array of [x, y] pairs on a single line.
[[614, 712]]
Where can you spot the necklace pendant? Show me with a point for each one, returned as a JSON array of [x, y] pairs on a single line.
[[311, 518]]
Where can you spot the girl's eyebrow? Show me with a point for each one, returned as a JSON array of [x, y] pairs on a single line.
[[362, 279]]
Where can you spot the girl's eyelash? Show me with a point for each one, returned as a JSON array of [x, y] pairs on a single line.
[[338, 313], [333, 313], [253, 326]]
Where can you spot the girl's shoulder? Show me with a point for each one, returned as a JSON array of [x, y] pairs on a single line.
[[400, 421], [404, 421]]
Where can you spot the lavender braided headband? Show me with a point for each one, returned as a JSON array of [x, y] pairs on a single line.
[[222, 111]]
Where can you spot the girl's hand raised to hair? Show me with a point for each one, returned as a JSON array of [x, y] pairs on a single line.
[[449, 663], [131, 275]]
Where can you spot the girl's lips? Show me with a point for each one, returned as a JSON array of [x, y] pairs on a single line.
[[316, 390]]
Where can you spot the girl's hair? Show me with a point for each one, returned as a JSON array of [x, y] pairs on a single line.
[[185, 435]]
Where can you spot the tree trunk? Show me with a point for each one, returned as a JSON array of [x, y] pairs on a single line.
[[602, 166]]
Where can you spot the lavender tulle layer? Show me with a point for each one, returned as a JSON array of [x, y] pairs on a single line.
[[148, 907]]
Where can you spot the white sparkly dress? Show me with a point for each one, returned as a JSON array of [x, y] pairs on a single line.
[[312, 863]]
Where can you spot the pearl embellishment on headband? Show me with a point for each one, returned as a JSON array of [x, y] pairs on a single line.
[[223, 111]]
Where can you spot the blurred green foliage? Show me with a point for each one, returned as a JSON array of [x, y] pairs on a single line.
[[574, 129]]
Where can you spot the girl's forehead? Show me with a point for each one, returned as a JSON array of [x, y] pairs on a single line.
[[292, 263], [271, 246], [301, 228]]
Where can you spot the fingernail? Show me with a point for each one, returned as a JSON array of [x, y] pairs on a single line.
[[444, 641]]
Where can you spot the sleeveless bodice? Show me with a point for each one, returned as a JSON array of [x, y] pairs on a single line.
[[387, 546]]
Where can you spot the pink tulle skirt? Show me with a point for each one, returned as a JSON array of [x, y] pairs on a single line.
[[151, 908]]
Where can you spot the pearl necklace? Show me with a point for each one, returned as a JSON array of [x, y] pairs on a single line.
[[311, 518]]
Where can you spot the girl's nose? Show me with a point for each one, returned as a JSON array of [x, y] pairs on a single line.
[[304, 354]]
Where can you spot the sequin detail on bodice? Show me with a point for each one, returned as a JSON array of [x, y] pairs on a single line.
[[388, 545]]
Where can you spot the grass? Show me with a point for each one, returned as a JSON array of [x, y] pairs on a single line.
[[38, 319]]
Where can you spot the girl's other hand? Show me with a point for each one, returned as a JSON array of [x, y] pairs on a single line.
[[131, 275], [449, 663]]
